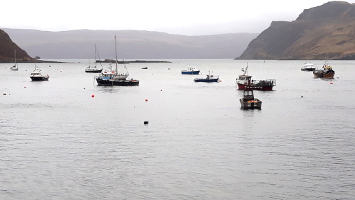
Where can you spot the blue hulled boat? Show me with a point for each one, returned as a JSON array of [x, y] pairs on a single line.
[[191, 70], [209, 78]]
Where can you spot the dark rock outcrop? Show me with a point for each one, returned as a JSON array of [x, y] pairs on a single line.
[[8, 47], [323, 32]]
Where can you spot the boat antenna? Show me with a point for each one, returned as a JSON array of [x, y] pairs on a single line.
[[116, 53], [246, 70]]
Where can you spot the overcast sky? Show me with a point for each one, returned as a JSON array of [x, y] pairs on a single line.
[[187, 17]]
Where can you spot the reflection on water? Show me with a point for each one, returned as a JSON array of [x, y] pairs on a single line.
[[59, 142]]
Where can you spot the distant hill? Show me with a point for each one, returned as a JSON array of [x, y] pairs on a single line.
[[131, 44], [7, 50], [323, 32]]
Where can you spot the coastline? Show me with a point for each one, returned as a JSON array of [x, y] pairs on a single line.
[[132, 61]]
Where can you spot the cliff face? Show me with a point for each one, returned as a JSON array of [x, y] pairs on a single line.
[[7, 50], [323, 32]]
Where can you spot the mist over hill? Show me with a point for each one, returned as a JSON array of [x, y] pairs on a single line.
[[322, 32], [131, 44]]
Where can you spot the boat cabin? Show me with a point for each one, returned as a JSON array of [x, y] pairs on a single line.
[[248, 95]]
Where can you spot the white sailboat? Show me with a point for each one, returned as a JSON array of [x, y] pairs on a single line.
[[93, 69], [15, 67]]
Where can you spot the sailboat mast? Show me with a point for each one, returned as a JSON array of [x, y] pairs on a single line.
[[15, 58], [116, 53]]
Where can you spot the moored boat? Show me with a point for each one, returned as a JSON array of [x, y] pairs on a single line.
[[209, 78], [36, 75], [249, 101], [112, 78], [308, 67], [326, 72], [93, 69], [245, 81], [15, 67], [191, 71]]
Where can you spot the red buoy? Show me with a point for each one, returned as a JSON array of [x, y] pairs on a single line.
[[146, 99], [92, 95]]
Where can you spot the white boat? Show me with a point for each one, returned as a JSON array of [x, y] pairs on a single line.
[[308, 67], [15, 67], [36, 75], [93, 69]]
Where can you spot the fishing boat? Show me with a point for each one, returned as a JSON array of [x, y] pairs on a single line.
[[308, 67], [244, 80], [191, 71], [326, 72], [36, 75], [209, 78], [15, 67], [93, 69], [112, 78], [249, 101]]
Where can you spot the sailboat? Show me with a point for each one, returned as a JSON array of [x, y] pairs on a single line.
[[93, 69], [113, 78], [15, 67]]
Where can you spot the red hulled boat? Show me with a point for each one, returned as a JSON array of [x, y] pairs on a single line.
[[245, 80]]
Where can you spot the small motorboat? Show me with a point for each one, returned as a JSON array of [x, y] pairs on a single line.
[[326, 72], [209, 78], [248, 101], [191, 71], [308, 67], [36, 75], [93, 70]]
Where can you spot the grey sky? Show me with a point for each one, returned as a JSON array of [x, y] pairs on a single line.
[[187, 17]]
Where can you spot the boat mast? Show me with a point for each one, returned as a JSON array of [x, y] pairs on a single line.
[[15, 59], [116, 53], [95, 57]]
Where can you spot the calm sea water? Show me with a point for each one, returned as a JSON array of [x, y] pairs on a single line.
[[59, 142]]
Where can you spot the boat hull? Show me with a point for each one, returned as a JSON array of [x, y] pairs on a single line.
[[308, 69], [110, 82], [253, 104], [190, 72], [264, 88], [205, 80], [39, 78], [323, 75], [93, 71]]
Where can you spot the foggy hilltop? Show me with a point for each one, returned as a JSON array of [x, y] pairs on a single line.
[[319, 33], [131, 44]]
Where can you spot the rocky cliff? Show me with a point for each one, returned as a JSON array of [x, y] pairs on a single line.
[[323, 32], [8, 47]]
